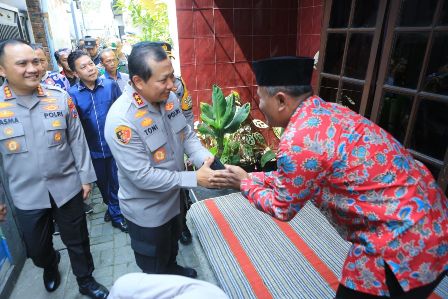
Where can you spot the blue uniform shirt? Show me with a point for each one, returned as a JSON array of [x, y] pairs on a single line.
[[92, 106]]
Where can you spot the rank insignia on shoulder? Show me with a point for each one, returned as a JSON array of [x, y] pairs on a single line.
[[5, 105], [6, 113], [7, 92], [51, 107], [123, 134], [187, 103], [8, 131], [138, 99], [57, 136], [140, 113], [160, 155], [40, 91], [13, 145], [146, 122], [169, 106]]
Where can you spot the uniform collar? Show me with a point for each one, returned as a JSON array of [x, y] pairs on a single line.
[[107, 76], [136, 98], [98, 82], [8, 94]]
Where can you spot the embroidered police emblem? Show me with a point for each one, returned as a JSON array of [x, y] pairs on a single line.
[[13, 146], [7, 92], [169, 106], [6, 113], [146, 122], [160, 155], [5, 105], [123, 134], [57, 136], [138, 99], [8, 131], [56, 124], [187, 103], [51, 107], [140, 113]]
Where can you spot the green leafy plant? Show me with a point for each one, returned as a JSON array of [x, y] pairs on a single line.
[[223, 117], [151, 16]]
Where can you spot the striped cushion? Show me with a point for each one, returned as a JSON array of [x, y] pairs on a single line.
[[255, 256]]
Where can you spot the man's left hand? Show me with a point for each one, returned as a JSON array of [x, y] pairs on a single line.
[[2, 212], [86, 189]]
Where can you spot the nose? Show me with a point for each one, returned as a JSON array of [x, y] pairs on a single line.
[[170, 83]]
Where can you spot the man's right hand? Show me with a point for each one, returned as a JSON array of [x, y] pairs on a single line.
[[2, 212], [204, 173]]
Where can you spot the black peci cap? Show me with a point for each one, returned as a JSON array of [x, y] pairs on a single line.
[[283, 71], [89, 43]]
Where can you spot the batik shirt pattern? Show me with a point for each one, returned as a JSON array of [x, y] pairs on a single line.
[[380, 199]]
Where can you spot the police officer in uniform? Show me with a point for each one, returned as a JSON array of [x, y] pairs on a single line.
[[181, 91], [148, 136], [48, 166]]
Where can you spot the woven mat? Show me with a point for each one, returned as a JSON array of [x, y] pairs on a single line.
[[255, 256]]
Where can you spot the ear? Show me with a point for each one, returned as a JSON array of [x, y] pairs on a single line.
[[138, 82], [281, 100], [2, 71]]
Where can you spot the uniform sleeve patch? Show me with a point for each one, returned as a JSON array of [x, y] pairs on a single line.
[[160, 155], [123, 134], [169, 106]]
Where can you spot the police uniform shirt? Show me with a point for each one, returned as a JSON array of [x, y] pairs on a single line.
[[43, 147], [148, 145], [184, 97]]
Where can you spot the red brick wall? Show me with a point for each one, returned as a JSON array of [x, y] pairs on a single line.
[[308, 29], [37, 23], [219, 39]]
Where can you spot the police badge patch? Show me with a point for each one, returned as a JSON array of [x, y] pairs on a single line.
[[123, 134]]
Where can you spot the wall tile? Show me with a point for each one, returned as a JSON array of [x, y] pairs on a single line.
[[184, 4], [317, 19], [243, 3], [225, 50], [205, 76], [225, 74], [306, 23], [224, 3], [186, 47], [243, 48], [279, 45], [292, 22], [318, 2], [314, 44], [189, 76], [205, 50], [292, 45], [203, 23], [257, 4], [242, 21], [261, 22], [245, 94], [282, 3], [306, 3], [261, 47], [304, 45], [279, 21], [185, 23], [223, 22], [244, 74], [202, 3], [204, 96]]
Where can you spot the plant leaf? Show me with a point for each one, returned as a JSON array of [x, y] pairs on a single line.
[[208, 121], [240, 115], [219, 106], [268, 156], [230, 109], [204, 129], [207, 110]]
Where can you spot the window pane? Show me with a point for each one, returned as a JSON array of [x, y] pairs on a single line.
[[365, 13], [416, 13], [351, 96], [340, 12], [334, 52], [328, 89], [444, 14], [394, 115], [436, 79], [407, 58], [430, 134], [358, 55]]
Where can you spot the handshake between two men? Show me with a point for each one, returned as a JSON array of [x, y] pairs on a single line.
[[214, 175]]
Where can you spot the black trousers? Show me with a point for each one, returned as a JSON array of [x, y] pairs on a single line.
[[395, 290], [156, 248], [184, 206], [37, 230]]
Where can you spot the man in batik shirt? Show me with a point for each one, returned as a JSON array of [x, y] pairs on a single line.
[[378, 197]]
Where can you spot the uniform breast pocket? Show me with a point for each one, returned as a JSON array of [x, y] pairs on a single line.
[[159, 148], [12, 139], [55, 131]]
